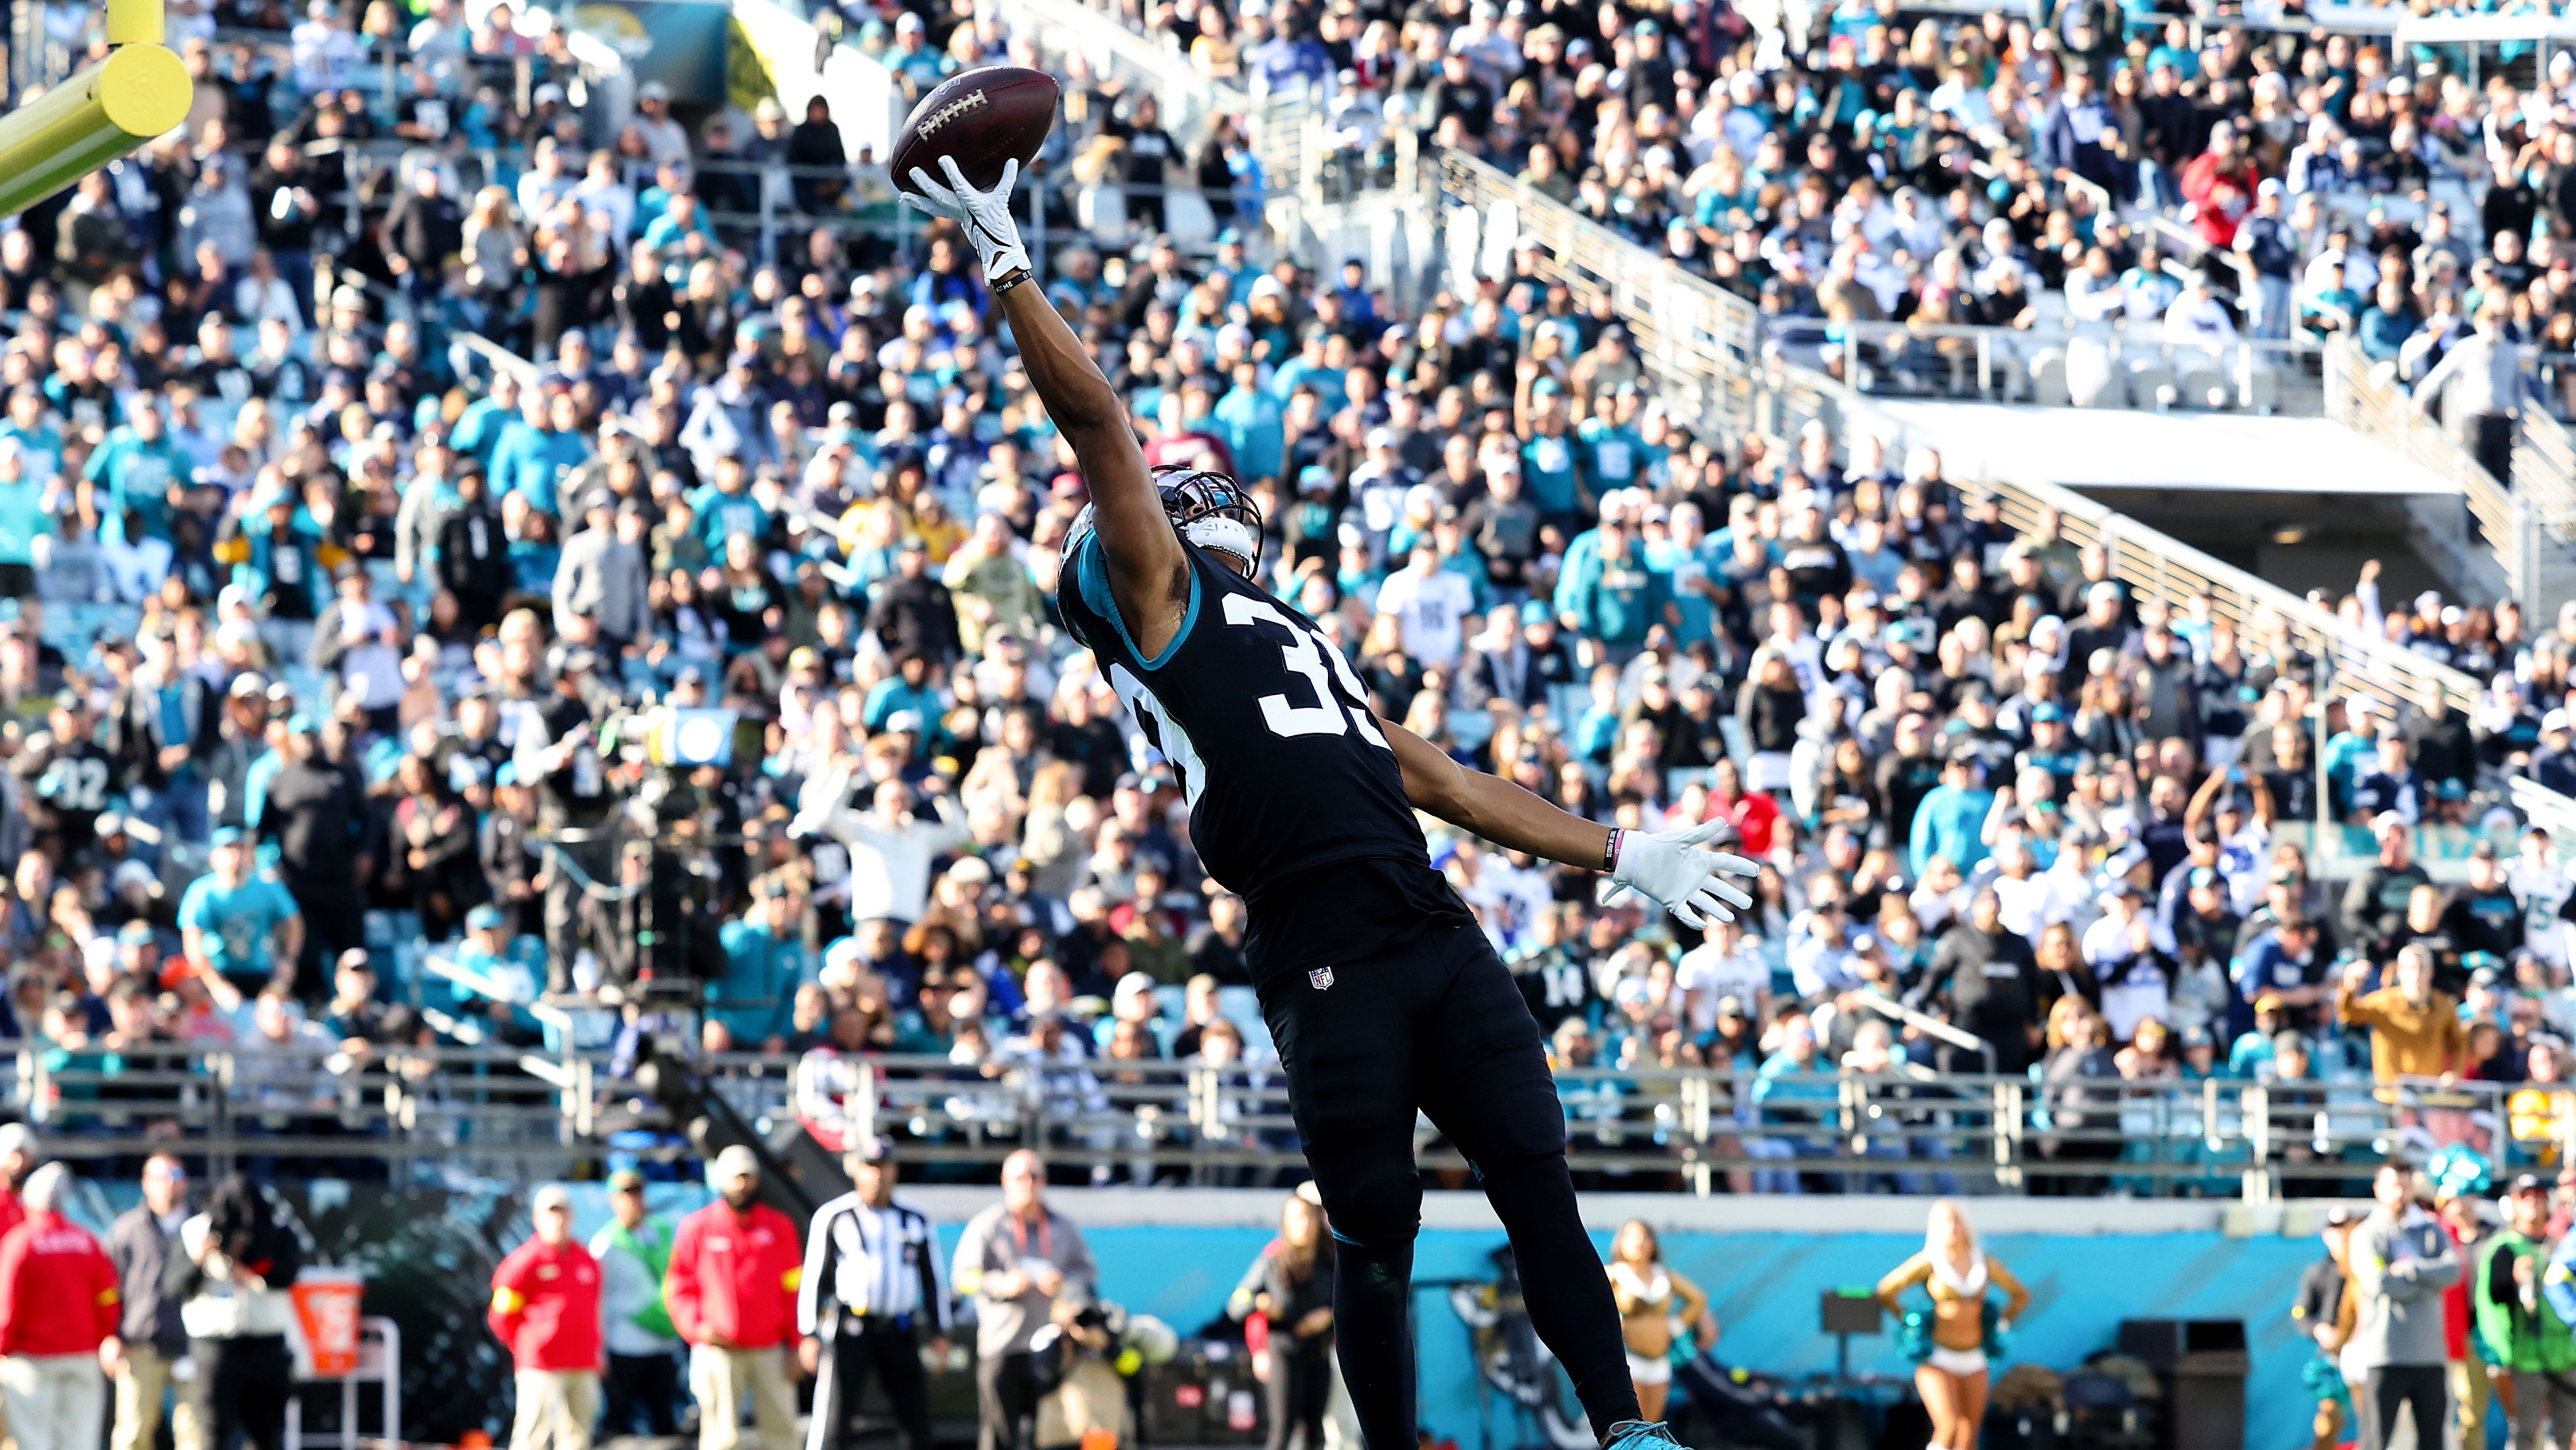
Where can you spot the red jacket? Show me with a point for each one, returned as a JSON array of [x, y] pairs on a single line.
[[734, 1275], [2221, 194], [545, 1306], [57, 1288], [1756, 818]]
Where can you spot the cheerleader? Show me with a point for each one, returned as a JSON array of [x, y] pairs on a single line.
[[1951, 1344], [1654, 1304]]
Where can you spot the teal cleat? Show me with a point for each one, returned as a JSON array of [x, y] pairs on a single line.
[[1641, 1435]]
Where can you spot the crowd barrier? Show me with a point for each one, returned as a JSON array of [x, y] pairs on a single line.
[[449, 1110]]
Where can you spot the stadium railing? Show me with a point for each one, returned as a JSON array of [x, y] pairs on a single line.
[[2530, 523], [1648, 1127], [2085, 365]]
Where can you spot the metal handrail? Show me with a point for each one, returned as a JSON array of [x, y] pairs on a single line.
[[2544, 472], [501, 358], [1924, 1024], [1660, 1123], [1700, 319], [1985, 361], [2529, 523]]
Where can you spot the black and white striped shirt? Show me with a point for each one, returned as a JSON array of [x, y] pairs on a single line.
[[882, 1263]]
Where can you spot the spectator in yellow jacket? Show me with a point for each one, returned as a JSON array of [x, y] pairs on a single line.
[[2414, 1030]]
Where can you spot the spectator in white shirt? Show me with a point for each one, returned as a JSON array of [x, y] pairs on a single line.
[[1727, 963], [1430, 605], [548, 183], [664, 137], [605, 194], [2197, 317]]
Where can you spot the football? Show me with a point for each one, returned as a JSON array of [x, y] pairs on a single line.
[[985, 118]]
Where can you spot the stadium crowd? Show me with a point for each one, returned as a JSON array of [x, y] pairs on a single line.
[[1856, 170], [325, 631]]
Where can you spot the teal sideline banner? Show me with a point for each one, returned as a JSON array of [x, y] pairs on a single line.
[[428, 1258]]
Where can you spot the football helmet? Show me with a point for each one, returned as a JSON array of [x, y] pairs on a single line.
[[1212, 511], [1205, 507]]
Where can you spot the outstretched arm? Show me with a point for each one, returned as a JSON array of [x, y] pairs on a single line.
[[1668, 867], [1148, 573]]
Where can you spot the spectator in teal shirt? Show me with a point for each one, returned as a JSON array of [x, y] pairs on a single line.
[[495, 976], [281, 563], [26, 521], [765, 962], [2351, 752], [32, 428], [909, 688], [1320, 364], [533, 461], [1621, 597], [726, 508], [1613, 452], [1951, 821], [1252, 423], [486, 421], [1552, 461], [1596, 731], [239, 925], [140, 465], [667, 232], [1695, 564]]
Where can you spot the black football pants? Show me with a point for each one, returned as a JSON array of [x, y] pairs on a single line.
[[1437, 1023], [872, 1347], [2423, 1387]]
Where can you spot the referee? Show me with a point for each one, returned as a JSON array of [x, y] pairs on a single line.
[[871, 1286]]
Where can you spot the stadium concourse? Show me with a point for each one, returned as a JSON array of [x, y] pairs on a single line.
[[517, 578]]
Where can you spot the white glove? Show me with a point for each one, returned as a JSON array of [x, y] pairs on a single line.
[[1672, 869], [986, 215]]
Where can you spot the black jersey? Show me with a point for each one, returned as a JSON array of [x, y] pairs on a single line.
[[70, 794], [1289, 779]]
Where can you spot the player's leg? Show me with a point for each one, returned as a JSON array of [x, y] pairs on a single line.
[[1348, 1050], [1483, 1078]]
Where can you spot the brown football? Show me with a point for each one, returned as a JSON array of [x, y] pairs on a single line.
[[985, 118]]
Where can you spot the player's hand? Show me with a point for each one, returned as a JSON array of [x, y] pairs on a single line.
[[1675, 870], [986, 215]]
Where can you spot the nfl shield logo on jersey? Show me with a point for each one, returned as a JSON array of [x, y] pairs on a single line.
[[1320, 977]]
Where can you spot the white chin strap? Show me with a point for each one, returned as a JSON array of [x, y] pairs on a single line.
[[1221, 535]]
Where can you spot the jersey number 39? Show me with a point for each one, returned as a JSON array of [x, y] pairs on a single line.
[[1305, 654]]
